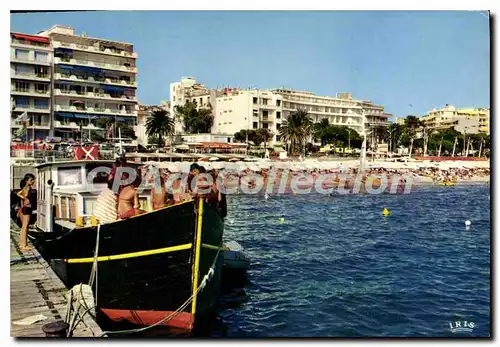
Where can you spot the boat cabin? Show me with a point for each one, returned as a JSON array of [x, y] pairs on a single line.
[[67, 190]]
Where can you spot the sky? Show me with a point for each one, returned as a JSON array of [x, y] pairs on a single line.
[[409, 62]]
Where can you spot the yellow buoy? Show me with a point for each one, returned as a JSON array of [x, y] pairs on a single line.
[[282, 220], [386, 212]]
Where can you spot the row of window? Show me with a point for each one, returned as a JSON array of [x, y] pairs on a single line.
[[40, 71], [24, 101], [25, 87], [265, 101], [24, 54]]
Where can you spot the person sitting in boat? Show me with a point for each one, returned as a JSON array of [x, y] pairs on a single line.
[[128, 199], [106, 204], [159, 194]]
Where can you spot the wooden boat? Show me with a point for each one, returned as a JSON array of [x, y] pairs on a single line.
[[147, 267]]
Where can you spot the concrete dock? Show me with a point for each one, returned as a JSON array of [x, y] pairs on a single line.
[[35, 290]]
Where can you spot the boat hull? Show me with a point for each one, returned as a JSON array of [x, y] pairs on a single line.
[[146, 264]]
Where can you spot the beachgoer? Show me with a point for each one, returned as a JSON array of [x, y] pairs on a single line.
[[106, 205], [26, 209], [128, 199]]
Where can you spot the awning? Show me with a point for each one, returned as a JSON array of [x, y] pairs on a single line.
[[31, 38], [88, 69], [67, 67], [114, 89], [63, 50], [73, 115]]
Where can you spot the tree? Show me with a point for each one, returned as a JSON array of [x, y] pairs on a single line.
[[263, 135], [160, 125], [195, 120], [321, 131], [295, 129]]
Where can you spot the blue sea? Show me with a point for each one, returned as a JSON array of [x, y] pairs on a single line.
[[336, 267]]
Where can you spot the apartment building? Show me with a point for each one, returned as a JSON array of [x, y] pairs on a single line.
[[341, 110], [93, 79], [30, 76], [470, 121], [248, 109], [188, 89]]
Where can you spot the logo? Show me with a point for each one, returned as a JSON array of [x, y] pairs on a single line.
[[461, 326]]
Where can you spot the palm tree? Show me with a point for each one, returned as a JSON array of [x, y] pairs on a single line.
[[321, 130], [412, 123], [160, 124], [296, 128]]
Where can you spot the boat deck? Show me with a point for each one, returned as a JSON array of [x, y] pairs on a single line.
[[35, 289]]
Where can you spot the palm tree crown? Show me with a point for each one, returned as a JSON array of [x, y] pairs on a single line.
[[296, 128], [160, 124]]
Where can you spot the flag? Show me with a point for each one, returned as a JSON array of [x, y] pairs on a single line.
[[22, 118]]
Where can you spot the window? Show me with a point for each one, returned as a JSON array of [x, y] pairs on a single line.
[[41, 71], [255, 112], [22, 86], [41, 57], [264, 101], [22, 54], [278, 137], [41, 103], [22, 101], [23, 70], [278, 114], [254, 100], [265, 114], [265, 125], [67, 176], [173, 98], [278, 126], [255, 125], [278, 102], [41, 88]]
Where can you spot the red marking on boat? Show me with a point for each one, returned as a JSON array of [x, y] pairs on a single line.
[[183, 320]]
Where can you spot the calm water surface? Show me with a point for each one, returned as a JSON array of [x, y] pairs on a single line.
[[336, 267]]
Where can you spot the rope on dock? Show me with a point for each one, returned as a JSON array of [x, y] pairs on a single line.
[[93, 277]]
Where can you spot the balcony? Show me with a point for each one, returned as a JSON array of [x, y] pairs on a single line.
[[95, 110], [106, 66], [266, 119], [90, 79], [89, 95], [32, 108], [94, 49], [36, 125], [30, 92], [30, 45], [29, 60], [31, 76], [268, 106]]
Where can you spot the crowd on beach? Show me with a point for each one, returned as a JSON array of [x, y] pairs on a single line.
[[256, 179]]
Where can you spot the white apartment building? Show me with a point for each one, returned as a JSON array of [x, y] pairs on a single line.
[[187, 89], [92, 79], [248, 109], [339, 110], [467, 121], [30, 76]]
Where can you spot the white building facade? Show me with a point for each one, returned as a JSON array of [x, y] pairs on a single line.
[[93, 80], [188, 89], [30, 76], [248, 109]]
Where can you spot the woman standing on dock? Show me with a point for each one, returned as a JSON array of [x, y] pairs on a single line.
[[25, 209]]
